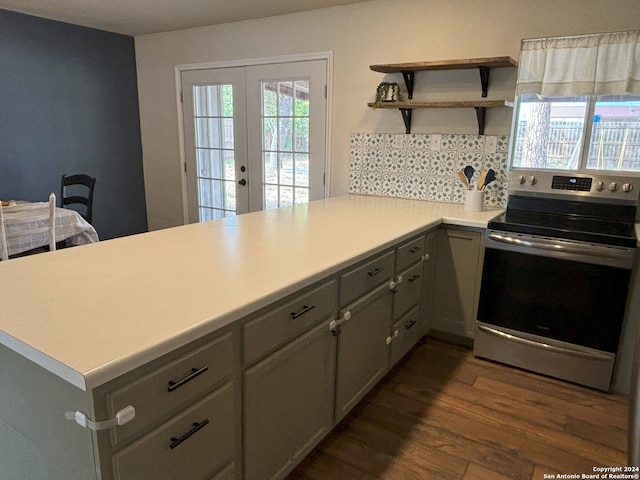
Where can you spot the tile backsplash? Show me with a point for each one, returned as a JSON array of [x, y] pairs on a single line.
[[424, 166]]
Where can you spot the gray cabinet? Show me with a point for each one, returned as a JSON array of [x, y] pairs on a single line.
[[405, 334], [428, 282], [185, 426], [363, 347], [193, 444], [186, 416], [457, 285], [246, 402], [407, 295], [288, 404], [288, 393]]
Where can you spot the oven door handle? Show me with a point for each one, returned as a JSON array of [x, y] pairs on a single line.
[[556, 246], [544, 346]]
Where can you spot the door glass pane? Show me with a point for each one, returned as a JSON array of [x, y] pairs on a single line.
[[285, 140], [549, 132], [213, 117], [615, 136]]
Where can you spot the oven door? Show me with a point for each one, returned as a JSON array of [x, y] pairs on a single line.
[[544, 299]]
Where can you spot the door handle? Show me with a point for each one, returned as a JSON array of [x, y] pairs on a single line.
[[242, 181]]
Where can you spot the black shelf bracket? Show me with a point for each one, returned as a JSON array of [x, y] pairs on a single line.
[[408, 82], [406, 117], [484, 79], [480, 113]]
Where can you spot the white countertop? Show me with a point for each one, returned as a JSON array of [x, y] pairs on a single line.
[[139, 297]]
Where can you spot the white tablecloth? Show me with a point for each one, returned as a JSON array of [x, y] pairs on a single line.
[[69, 226]]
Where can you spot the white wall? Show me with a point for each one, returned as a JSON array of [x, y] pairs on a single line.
[[359, 35]]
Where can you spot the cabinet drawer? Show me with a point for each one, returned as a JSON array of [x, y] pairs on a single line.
[[406, 336], [197, 443], [288, 321], [179, 382], [410, 252], [366, 277], [409, 291]]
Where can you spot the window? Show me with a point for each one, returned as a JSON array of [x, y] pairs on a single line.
[[577, 133], [285, 132], [578, 103]]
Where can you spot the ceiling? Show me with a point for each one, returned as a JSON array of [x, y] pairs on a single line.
[[140, 17]]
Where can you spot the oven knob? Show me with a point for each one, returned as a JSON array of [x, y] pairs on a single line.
[[532, 180], [613, 186], [627, 187], [600, 186], [520, 179]]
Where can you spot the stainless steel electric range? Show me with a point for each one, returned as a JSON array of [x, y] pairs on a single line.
[[556, 275]]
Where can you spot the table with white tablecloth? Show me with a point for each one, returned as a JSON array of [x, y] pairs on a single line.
[[70, 228]]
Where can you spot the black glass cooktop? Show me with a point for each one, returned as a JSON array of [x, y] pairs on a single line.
[[582, 221]]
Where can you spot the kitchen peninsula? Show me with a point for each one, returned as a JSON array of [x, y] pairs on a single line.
[[205, 297]]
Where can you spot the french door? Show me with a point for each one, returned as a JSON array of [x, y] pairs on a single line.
[[255, 137]]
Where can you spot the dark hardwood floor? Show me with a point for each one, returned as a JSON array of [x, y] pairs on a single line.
[[443, 414]]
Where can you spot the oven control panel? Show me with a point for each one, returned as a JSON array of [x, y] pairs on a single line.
[[579, 184], [596, 187]]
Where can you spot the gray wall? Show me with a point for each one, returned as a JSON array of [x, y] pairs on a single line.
[[69, 104]]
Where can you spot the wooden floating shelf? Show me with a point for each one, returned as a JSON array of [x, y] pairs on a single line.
[[444, 104], [406, 108], [460, 64], [408, 72]]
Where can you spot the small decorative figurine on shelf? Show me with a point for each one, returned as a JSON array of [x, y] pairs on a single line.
[[388, 92]]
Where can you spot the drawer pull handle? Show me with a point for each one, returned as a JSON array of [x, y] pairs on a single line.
[[305, 309], [410, 324], [414, 278], [196, 426], [375, 271], [194, 373], [415, 249]]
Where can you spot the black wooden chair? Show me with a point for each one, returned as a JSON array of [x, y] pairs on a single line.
[[74, 193]]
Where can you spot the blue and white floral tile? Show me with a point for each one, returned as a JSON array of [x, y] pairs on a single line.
[[394, 140], [496, 194], [374, 140], [443, 164], [393, 185], [449, 142], [372, 160], [355, 182], [355, 159], [471, 142], [394, 160], [459, 191], [356, 140], [418, 141], [440, 189], [416, 187], [371, 183], [424, 166], [418, 161], [502, 143]]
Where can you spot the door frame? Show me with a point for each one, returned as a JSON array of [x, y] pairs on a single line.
[[178, 69]]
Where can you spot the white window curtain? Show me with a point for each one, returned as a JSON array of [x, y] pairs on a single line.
[[600, 64]]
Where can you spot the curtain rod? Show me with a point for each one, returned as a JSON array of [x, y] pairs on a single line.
[[582, 36]]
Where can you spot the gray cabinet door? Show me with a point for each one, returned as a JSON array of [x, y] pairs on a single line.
[[288, 404], [457, 281], [363, 352], [428, 280]]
